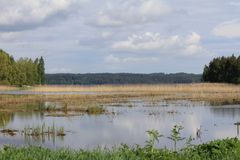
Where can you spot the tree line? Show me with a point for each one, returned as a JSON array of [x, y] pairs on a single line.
[[26, 71], [23, 71], [121, 78], [223, 70]]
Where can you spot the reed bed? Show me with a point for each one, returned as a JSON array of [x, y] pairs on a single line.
[[185, 88], [216, 94], [7, 88]]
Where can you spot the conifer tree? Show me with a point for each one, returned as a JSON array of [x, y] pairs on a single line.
[[41, 70]]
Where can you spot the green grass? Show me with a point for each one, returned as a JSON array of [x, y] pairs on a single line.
[[42, 130], [95, 109], [227, 149]]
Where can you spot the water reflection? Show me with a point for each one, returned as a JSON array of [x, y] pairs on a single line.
[[42, 139], [5, 118], [204, 123], [226, 111]]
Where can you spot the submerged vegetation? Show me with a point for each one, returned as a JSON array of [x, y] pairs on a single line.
[[95, 109], [5, 118], [36, 132], [216, 94], [43, 130]]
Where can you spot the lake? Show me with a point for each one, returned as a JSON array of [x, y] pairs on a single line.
[[127, 124]]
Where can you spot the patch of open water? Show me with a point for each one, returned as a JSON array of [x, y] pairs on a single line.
[[128, 125]]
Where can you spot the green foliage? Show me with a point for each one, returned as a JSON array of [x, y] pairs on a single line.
[[189, 141], [223, 69], [175, 136], [5, 118], [41, 71], [153, 138], [227, 149], [95, 109], [6, 64], [25, 71]]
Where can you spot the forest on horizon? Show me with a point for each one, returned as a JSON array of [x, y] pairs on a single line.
[[121, 78], [26, 71]]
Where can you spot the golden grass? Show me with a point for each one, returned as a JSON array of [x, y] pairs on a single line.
[[163, 88], [7, 88], [214, 93]]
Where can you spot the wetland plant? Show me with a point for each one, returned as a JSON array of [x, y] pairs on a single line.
[[153, 138], [42, 130], [95, 109], [175, 135], [215, 150], [227, 149], [61, 132]]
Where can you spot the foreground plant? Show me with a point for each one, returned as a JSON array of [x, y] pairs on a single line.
[[227, 149], [175, 136], [153, 138]]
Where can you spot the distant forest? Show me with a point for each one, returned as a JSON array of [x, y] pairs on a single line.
[[122, 78], [26, 71]]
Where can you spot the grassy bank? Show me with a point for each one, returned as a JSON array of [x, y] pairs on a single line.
[[228, 149]]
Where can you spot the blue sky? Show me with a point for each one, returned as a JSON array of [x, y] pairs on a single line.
[[143, 36]]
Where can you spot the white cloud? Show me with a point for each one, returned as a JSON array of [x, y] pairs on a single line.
[[16, 13], [113, 59], [59, 70], [105, 20], [8, 36], [237, 4], [106, 34], [188, 45], [131, 12], [229, 29], [152, 8], [193, 38]]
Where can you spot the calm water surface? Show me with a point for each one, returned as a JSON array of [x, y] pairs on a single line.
[[128, 125]]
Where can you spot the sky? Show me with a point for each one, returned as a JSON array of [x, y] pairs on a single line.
[[136, 36]]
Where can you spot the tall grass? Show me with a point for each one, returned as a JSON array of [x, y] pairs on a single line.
[[7, 88], [42, 130], [186, 88], [228, 149], [217, 94]]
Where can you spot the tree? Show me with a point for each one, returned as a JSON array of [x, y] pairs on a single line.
[[37, 77], [6, 63], [41, 70], [24, 71], [223, 70]]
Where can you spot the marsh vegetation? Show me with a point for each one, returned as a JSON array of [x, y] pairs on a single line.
[[219, 149], [121, 114], [216, 94]]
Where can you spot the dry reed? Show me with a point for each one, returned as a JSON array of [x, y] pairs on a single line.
[[214, 93], [186, 88], [7, 88]]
